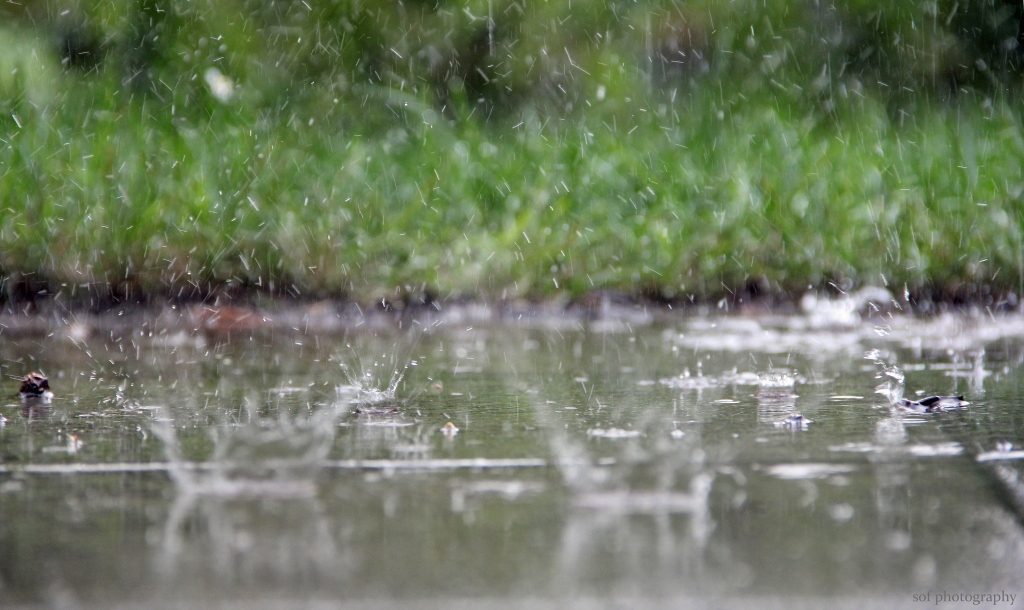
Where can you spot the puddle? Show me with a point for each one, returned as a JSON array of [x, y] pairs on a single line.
[[695, 459]]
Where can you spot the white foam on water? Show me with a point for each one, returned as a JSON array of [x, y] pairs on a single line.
[[809, 470], [996, 456], [918, 450], [936, 450], [386, 424], [613, 433]]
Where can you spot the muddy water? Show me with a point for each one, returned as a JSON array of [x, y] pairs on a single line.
[[594, 461]]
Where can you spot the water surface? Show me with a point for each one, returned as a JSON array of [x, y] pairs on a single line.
[[594, 460]]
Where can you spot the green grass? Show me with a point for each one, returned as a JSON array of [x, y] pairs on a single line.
[[370, 190]]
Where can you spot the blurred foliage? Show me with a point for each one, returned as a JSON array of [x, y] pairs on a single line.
[[506, 52], [508, 147]]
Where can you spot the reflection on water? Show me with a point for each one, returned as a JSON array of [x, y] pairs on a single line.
[[253, 513], [976, 374], [256, 536], [622, 460]]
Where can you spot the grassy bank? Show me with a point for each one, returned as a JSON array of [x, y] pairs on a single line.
[[763, 176]]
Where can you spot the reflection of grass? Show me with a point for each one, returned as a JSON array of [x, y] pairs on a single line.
[[699, 195]]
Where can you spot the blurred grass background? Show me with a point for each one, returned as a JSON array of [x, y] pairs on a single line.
[[496, 149]]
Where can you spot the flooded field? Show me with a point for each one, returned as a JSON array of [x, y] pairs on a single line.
[[550, 462]]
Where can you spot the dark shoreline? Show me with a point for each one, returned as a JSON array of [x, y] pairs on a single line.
[[224, 315]]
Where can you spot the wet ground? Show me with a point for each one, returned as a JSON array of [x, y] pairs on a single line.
[[589, 463]]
